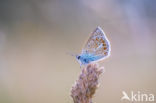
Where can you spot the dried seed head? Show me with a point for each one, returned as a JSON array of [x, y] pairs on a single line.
[[84, 88]]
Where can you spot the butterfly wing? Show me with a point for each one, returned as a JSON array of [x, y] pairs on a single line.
[[97, 44]]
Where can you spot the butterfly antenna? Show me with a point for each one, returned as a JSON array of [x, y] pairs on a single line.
[[71, 54]]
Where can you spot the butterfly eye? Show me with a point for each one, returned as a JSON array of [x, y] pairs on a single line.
[[78, 57]]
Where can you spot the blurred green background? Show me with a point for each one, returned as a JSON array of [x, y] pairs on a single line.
[[35, 36]]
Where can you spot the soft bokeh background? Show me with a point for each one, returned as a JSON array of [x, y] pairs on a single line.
[[35, 36]]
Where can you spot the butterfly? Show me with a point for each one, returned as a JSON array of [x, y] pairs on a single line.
[[97, 48]]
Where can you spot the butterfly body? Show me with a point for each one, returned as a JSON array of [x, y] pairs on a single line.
[[97, 48], [87, 58]]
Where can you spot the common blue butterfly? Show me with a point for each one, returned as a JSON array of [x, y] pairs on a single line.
[[97, 48]]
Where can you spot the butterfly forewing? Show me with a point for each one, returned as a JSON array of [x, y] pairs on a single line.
[[97, 44]]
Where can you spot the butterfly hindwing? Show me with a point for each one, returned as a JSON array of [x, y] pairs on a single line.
[[97, 44]]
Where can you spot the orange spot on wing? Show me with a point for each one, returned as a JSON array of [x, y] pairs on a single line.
[[101, 40], [104, 45], [96, 45], [105, 48], [96, 38]]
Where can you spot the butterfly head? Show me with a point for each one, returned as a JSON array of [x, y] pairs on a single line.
[[78, 57]]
